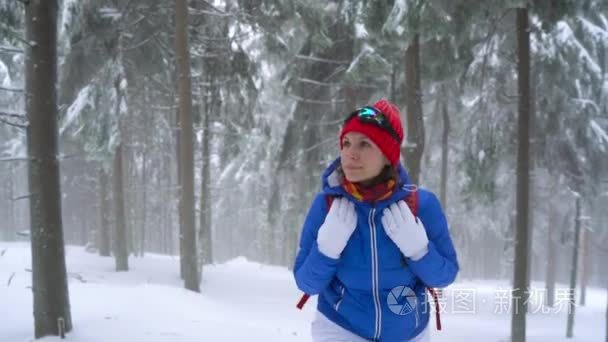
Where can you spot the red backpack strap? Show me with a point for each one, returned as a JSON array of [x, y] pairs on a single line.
[[437, 308], [303, 301], [412, 201], [328, 200]]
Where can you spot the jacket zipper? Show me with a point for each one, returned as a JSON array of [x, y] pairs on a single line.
[[337, 306], [416, 312], [372, 228]]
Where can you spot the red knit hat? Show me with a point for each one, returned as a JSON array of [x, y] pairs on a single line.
[[383, 139]]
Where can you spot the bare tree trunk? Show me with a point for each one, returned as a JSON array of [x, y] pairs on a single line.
[[414, 123], [205, 201], [188, 232], [129, 197], [551, 245], [179, 192], [144, 200], [443, 194], [167, 228], [520, 272], [586, 264], [10, 230], [606, 330], [104, 212], [121, 254], [52, 314], [574, 270]]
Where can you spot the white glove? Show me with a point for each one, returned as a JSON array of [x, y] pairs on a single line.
[[339, 225], [406, 231]]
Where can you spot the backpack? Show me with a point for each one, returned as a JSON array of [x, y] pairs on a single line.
[[412, 203]]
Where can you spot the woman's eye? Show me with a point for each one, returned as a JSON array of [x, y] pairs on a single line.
[[346, 143], [365, 144]]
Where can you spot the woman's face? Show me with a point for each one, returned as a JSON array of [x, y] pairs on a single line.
[[361, 159]]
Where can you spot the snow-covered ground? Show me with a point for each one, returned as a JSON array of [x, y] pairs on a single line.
[[244, 301]]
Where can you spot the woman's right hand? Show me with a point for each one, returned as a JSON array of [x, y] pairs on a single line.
[[339, 225]]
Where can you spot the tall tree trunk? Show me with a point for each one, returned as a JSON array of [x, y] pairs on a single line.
[[606, 330], [129, 197], [121, 254], [11, 228], [144, 199], [205, 201], [188, 233], [182, 261], [49, 276], [443, 194], [586, 265], [551, 245], [520, 271], [104, 213], [414, 124], [574, 270], [167, 241]]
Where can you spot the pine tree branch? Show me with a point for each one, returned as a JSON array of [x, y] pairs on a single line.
[[14, 90], [6, 122], [10, 49], [301, 99], [19, 116], [22, 196], [15, 35], [7, 159], [318, 59], [140, 44]]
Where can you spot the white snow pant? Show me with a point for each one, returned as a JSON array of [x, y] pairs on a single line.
[[324, 330]]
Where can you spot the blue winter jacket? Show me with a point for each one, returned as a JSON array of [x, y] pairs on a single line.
[[366, 290]]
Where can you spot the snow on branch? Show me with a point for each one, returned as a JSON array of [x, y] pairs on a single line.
[[16, 35], [10, 49], [8, 118], [333, 84], [597, 129], [142, 43], [83, 100], [7, 159], [318, 59], [22, 197], [301, 99], [566, 37], [13, 115], [14, 90]]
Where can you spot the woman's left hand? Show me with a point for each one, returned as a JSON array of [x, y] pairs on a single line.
[[406, 231]]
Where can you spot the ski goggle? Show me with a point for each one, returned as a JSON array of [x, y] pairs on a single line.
[[373, 116]]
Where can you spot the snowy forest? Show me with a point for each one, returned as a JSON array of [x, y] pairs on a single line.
[[185, 140]]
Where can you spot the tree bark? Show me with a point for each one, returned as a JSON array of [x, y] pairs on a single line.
[[414, 124], [586, 264], [551, 246], [443, 194], [121, 254], [188, 233], [520, 276], [104, 214], [52, 314], [574, 270], [144, 199], [205, 201], [10, 229], [606, 330]]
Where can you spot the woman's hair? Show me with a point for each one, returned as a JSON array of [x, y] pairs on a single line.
[[388, 172]]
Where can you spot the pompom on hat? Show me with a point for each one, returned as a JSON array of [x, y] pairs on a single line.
[[389, 146]]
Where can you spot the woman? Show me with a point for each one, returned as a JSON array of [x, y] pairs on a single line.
[[362, 249]]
